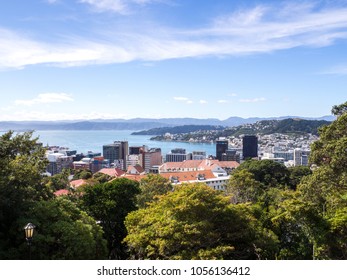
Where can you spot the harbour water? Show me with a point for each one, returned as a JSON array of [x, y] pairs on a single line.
[[93, 140]]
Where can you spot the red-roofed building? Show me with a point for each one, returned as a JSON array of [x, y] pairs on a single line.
[[203, 176], [219, 167], [74, 184], [61, 192], [137, 178], [112, 172], [135, 170]]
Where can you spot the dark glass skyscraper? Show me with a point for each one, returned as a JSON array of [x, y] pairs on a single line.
[[250, 146], [221, 147]]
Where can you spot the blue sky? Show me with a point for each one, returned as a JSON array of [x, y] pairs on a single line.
[[88, 59]]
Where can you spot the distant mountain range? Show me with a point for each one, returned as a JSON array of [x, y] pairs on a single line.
[[135, 124]]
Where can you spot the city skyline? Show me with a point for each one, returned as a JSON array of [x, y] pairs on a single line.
[[88, 59]]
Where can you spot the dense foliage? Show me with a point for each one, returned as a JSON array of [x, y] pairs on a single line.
[[151, 188], [109, 203], [196, 222], [63, 231]]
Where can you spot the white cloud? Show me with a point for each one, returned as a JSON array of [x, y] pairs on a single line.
[[232, 94], [253, 100], [183, 100], [222, 101], [203, 101], [45, 98], [116, 6], [108, 5], [258, 30]]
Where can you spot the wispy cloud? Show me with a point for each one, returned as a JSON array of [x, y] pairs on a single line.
[[116, 6], [45, 98], [261, 29], [203, 101], [222, 101], [337, 70], [183, 99], [253, 100]]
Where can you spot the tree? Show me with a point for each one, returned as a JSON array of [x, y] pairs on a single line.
[[64, 232], [269, 173], [330, 150], [151, 187], [82, 174], [339, 110], [197, 222], [102, 178], [323, 195], [22, 163], [243, 187], [109, 203], [296, 174], [59, 181]]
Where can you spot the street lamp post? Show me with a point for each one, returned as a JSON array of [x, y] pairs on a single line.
[[29, 232]]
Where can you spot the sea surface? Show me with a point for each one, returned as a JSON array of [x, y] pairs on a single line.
[[93, 140]]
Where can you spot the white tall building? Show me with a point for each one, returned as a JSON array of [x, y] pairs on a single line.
[[301, 157], [57, 162], [297, 157]]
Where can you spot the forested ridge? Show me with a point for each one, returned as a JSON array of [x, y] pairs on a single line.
[[268, 211]]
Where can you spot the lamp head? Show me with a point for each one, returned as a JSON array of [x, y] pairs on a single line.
[[29, 231]]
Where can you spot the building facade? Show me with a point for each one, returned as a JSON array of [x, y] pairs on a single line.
[[153, 157], [178, 155], [249, 147], [116, 153], [221, 148]]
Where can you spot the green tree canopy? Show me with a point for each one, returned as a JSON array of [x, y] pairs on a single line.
[[151, 187], [109, 203], [296, 174], [82, 174], [197, 222], [242, 187], [268, 172], [321, 201], [58, 181], [102, 178], [339, 110], [22, 163], [64, 232]]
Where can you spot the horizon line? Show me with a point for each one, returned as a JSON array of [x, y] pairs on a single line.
[[161, 118]]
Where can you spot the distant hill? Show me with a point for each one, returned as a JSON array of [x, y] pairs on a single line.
[[286, 126], [178, 129], [133, 124]]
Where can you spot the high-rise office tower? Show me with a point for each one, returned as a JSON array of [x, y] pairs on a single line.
[[116, 152], [151, 158], [221, 147], [250, 146]]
